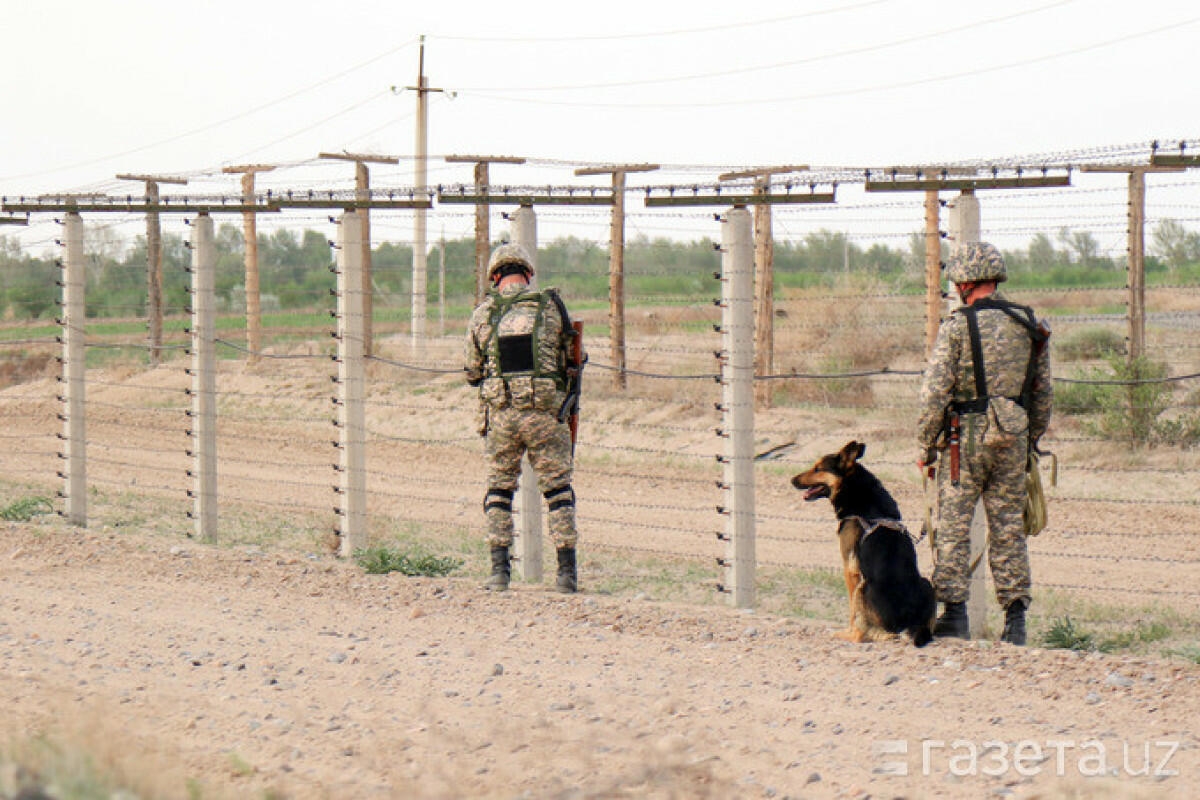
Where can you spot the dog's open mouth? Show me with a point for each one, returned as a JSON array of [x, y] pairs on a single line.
[[815, 492]]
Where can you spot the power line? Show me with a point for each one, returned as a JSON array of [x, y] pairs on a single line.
[[210, 126], [845, 92], [779, 64], [659, 34]]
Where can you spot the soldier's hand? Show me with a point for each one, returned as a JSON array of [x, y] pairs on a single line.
[[927, 458]]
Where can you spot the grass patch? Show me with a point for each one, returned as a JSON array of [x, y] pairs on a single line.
[[1064, 634], [26, 508], [1085, 344], [380, 560], [810, 593], [675, 580], [1190, 653], [1087, 626]]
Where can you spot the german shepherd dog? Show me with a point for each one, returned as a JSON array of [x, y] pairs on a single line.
[[887, 593]]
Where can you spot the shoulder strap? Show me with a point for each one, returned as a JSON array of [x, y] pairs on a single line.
[[568, 331], [1023, 315], [970, 313]]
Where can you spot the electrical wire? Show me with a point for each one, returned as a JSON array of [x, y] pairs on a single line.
[[906, 84], [776, 65]]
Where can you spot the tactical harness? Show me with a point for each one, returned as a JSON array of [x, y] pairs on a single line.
[[1023, 315], [872, 525], [517, 354]]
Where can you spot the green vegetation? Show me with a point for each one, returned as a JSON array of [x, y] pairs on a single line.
[[1089, 344], [1064, 634], [295, 268], [1125, 401], [380, 560], [25, 509]]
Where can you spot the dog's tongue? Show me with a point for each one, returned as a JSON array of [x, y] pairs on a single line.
[[814, 493]]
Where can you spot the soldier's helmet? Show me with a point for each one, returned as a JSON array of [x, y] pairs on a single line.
[[977, 262], [509, 254]]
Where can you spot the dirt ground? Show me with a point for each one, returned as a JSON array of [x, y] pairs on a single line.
[[189, 669], [275, 670]]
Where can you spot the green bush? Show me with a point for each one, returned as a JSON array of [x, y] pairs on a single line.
[[26, 509], [1182, 431], [1078, 399], [1127, 398], [380, 560], [1084, 344], [1064, 635]]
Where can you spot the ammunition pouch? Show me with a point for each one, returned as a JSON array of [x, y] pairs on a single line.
[[524, 393]]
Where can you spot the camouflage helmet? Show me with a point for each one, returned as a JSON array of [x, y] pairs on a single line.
[[508, 253], [976, 262]]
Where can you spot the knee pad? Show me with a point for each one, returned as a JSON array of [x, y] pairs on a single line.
[[498, 498], [562, 497]]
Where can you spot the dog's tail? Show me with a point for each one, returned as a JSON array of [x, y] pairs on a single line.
[[921, 634]]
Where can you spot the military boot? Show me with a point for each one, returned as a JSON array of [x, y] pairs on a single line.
[[568, 580], [953, 621], [501, 570], [1014, 623]]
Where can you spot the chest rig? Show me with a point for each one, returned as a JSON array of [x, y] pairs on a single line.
[[517, 336]]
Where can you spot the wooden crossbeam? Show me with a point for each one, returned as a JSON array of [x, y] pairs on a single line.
[[1181, 160], [966, 184], [185, 205], [529, 199], [737, 199]]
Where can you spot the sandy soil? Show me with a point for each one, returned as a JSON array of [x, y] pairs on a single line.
[[239, 671], [245, 671]]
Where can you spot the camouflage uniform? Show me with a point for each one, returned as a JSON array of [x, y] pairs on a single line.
[[994, 447], [519, 411]]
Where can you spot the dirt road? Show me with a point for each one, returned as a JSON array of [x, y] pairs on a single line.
[[237, 672]]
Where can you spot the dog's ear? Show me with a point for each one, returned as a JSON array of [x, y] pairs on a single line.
[[851, 453]]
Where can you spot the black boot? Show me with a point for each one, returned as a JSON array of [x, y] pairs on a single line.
[[1014, 623], [953, 621], [568, 581], [501, 570]]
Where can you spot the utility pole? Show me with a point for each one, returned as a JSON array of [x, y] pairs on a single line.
[[154, 300], [764, 276], [1136, 262], [616, 262], [932, 180], [483, 242], [250, 235], [362, 191], [420, 267]]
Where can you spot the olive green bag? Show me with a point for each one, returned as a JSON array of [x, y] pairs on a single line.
[[1035, 496]]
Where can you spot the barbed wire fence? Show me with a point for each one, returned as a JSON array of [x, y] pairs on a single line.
[[650, 483]]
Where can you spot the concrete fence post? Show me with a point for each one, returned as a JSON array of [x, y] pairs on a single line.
[[737, 381], [528, 539], [204, 380], [965, 228], [74, 360], [351, 416]]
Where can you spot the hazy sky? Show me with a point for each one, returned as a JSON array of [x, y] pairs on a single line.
[[95, 88]]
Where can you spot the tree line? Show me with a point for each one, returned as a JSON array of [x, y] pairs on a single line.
[[295, 267]]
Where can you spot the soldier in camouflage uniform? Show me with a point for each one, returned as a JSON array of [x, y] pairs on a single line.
[[1002, 412], [518, 342]]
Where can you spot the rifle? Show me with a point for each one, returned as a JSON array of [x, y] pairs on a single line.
[[955, 427], [569, 411]]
